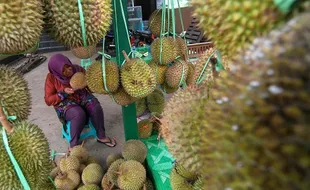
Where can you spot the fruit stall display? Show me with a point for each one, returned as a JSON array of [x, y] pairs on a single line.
[[238, 118]]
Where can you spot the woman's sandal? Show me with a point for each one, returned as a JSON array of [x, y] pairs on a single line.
[[108, 142]]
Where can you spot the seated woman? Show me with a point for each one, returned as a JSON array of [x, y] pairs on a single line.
[[72, 105]]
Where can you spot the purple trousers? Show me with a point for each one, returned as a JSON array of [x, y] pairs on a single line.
[[78, 117]]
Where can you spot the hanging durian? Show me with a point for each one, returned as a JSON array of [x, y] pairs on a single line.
[[176, 75], [160, 71], [137, 77], [155, 22], [14, 93], [31, 151], [121, 97], [64, 17], [254, 135], [21, 25], [95, 80], [166, 54]]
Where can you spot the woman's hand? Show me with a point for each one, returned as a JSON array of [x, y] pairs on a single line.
[[69, 90]]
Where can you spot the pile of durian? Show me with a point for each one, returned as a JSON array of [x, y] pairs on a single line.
[[125, 171], [251, 129]]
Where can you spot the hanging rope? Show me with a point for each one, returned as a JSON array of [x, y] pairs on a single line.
[[11, 156], [218, 66], [285, 6], [162, 30], [84, 62]]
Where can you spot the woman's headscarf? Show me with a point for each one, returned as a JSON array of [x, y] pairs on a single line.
[[56, 65]]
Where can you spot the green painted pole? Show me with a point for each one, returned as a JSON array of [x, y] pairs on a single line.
[[121, 43]]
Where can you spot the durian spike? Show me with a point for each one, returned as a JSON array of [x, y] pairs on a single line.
[[125, 55], [111, 187], [118, 173], [5, 123]]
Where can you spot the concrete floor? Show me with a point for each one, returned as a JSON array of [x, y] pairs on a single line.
[[45, 117]]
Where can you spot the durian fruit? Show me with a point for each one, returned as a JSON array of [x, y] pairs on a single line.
[[78, 81], [176, 75], [233, 25], [91, 160], [89, 187], [156, 101], [122, 98], [113, 169], [185, 173], [94, 77], [203, 68], [92, 174], [105, 183], [132, 175], [168, 50], [80, 152], [137, 77], [84, 52], [145, 128], [67, 163], [68, 180], [190, 75], [160, 71], [134, 150], [46, 185], [54, 172], [155, 22], [111, 158], [81, 169], [21, 26], [178, 182], [179, 115], [140, 106], [14, 93], [180, 46], [64, 17], [167, 89], [31, 151], [148, 185], [251, 147]]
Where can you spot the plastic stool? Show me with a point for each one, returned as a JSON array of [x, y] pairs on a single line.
[[66, 131]]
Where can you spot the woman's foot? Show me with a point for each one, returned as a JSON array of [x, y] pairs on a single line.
[[107, 141]]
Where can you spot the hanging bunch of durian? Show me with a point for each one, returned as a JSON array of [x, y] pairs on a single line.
[[251, 132], [64, 19], [26, 141], [21, 25]]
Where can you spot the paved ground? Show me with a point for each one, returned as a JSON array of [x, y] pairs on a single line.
[[45, 117]]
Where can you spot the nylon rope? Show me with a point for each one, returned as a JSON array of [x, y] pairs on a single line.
[[17, 168], [183, 30], [84, 37], [173, 18], [162, 30], [285, 6], [103, 68]]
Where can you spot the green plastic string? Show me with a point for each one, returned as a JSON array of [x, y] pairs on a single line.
[[49, 177], [125, 22], [285, 6], [182, 24], [173, 19], [183, 73], [11, 156], [168, 30], [103, 69], [201, 76], [30, 49], [82, 23], [219, 66], [162, 30]]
